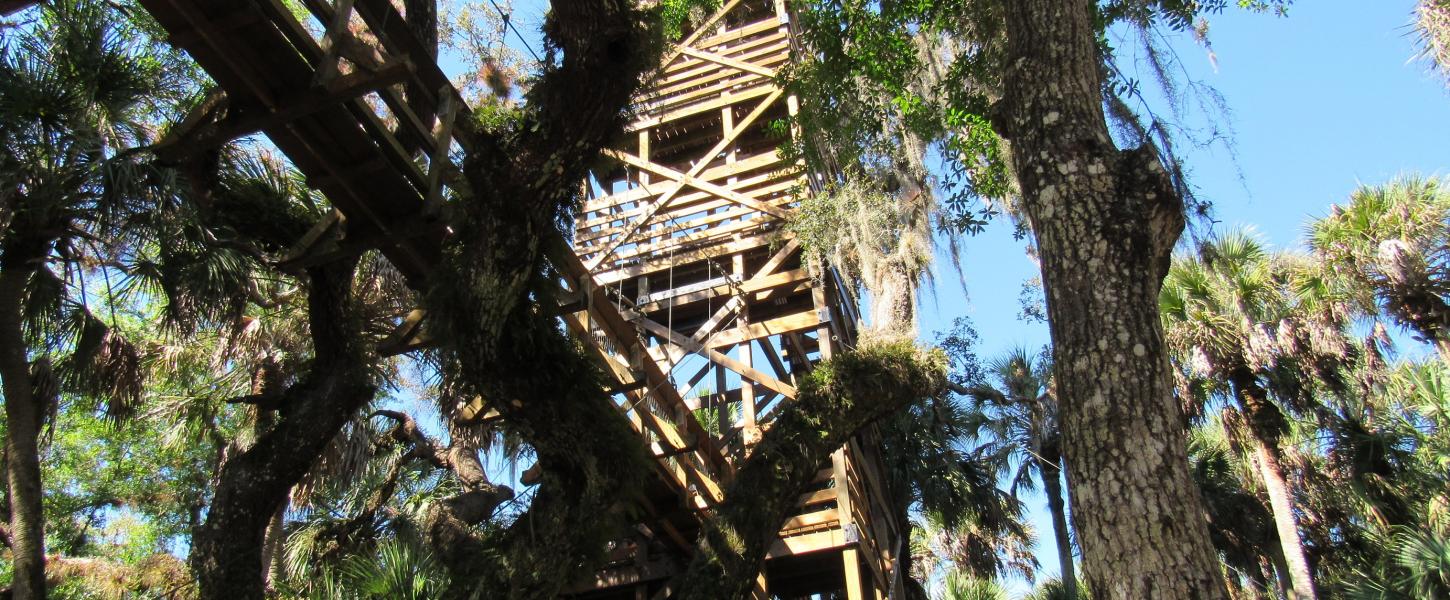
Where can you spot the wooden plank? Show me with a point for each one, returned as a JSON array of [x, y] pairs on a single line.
[[809, 499], [828, 516], [10, 7], [700, 30], [796, 322], [684, 178], [716, 357], [698, 183], [623, 335], [729, 62], [612, 276], [829, 539], [764, 182], [663, 300], [764, 89], [225, 51]]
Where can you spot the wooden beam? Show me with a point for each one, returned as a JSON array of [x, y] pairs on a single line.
[[729, 62], [332, 41], [438, 161], [224, 49], [683, 179], [706, 25], [716, 357], [10, 7], [698, 183]]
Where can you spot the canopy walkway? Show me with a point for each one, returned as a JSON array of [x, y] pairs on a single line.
[[681, 278]]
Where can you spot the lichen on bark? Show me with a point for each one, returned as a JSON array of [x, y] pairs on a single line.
[[1105, 222]]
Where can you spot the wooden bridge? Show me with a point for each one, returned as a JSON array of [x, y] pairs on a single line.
[[684, 282]]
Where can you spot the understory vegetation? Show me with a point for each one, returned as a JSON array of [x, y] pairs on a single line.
[[192, 413]]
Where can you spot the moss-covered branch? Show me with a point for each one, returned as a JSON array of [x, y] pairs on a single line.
[[525, 181], [591, 461], [839, 398]]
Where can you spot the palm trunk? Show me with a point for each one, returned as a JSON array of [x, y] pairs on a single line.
[[22, 419], [1105, 223], [272, 549], [1302, 583], [1051, 475], [1264, 424], [1281, 570]]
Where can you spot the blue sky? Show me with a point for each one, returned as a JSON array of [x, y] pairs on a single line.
[[1321, 102]]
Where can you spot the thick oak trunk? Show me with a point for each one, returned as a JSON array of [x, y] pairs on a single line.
[[839, 398], [1105, 223], [23, 413], [524, 183], [227, 551]]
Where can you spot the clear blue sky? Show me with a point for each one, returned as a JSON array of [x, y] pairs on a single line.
[[1322, 101]]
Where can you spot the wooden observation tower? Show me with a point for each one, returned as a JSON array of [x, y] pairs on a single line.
[[682, 281], [684, 232]]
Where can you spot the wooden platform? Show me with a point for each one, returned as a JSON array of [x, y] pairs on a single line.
[[681, 277]]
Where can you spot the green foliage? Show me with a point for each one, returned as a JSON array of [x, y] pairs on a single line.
[[1388, 251], [678, 15], [879, 91], [1432, 25], [962, 586]]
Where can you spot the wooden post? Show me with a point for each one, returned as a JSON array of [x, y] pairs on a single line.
[[850, 556], [747, 388], [761, 590]]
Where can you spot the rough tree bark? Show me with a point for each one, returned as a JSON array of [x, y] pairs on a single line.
[[227, 550], [837, 399], [525, 181], [23, 413], [1105, 223]]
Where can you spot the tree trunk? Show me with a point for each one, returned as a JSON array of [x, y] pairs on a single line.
[[272, 545], [227, 550], [1105, 223], [1281, 568], [1051, 480], [1265, 424], [836, 400], [893, 300], [23, 413], [1302, 583]]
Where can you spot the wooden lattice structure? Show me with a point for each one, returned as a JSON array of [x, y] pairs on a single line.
[[685, 231], [682, 279]]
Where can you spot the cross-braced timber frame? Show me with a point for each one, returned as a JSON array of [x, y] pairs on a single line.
[[681, 278]]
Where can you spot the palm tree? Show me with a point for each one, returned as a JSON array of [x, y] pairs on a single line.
[[1432, 24], [1019, 416], [936, 471], [1241, 528], [1410, 555], [964, 586], [1390, 247], [78, 88], [1230, 317]]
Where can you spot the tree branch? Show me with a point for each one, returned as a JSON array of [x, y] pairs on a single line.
[[837, 399]]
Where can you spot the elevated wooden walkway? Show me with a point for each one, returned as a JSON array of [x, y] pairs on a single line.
[[682, 279]]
